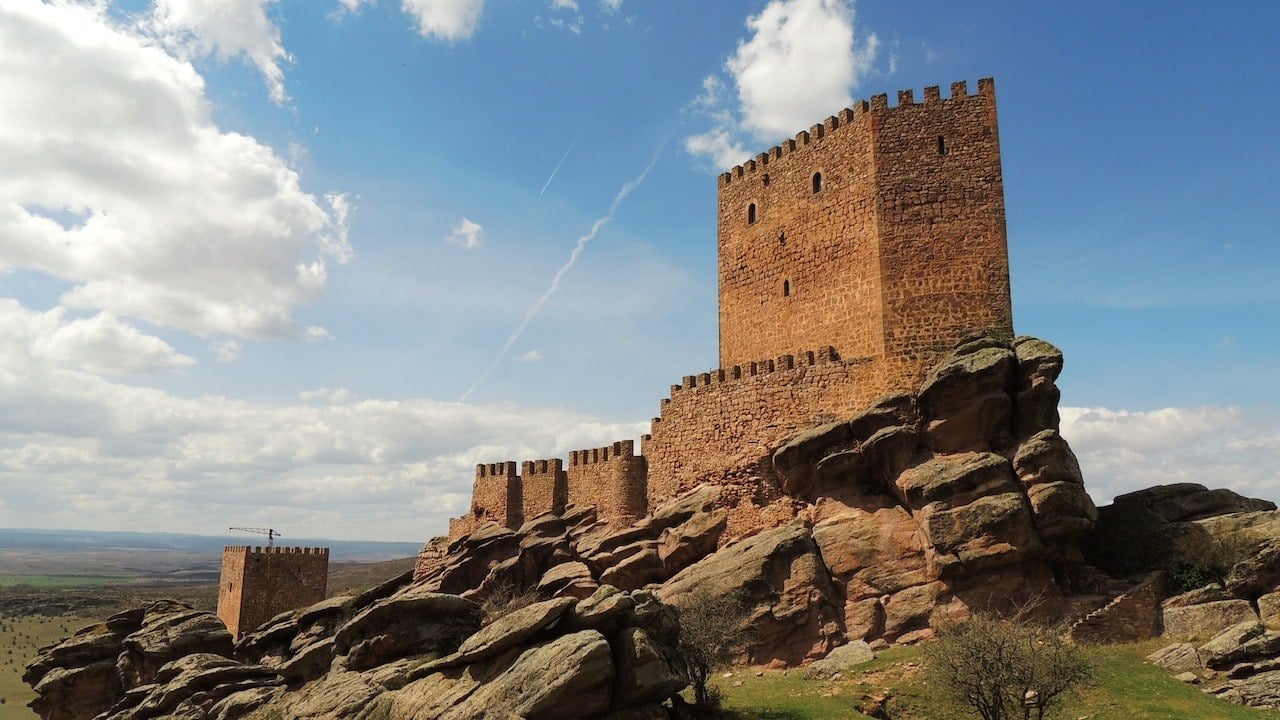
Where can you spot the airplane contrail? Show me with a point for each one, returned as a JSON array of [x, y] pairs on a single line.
[[555, 280], [547, 184]]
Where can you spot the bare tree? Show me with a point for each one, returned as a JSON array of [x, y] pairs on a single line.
[[1006, 670], [712, 629]]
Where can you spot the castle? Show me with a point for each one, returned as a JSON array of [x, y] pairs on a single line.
[[852, 258], [259, 583]]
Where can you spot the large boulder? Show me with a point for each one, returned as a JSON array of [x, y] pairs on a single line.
[[1205, 620], [1036, 404], [780, 576], [513, 629], [169, 631], [412, 622], [965, 401]]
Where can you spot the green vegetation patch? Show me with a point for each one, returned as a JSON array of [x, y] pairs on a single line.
[[1128, 688], [20, 638], [47, 581]]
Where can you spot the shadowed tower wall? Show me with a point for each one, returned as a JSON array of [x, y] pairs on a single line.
[[880, 232], [259, 583]]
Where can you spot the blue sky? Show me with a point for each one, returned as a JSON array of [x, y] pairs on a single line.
[[253, 252]]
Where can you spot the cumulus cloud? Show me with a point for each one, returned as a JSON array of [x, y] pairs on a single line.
[[800, 64], [611, 6], [532, 356], [100, 344], [127, 190], [1121, 451], [466, 234], [227, 28], [327, 465], [227, 350], [564, 5], [446, 20]]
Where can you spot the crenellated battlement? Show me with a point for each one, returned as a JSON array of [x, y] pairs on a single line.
[[862, 111], [259, 550], [620, 449], [782, 363], [504, 469]]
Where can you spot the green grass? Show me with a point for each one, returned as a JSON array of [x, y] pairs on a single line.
[[1128, 688], [48, 581], [19, 640]]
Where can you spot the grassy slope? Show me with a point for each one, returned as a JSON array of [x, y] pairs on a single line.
[[1129, 688], [19, 640]]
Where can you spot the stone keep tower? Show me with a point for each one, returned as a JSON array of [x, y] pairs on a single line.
[[880, 232], [259, 583]]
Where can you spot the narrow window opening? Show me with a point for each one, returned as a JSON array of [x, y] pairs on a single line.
[[817, 182], [765, 179], [786, 288], [942, 145], [751, 214], [782, 238]]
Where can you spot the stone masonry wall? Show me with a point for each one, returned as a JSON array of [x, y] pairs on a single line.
[[497, 494], [544, 487], [880, 232], [611, 478], [944, 261], [730, 419], [259, 583]]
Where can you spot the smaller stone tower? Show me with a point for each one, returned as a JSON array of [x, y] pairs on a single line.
[[259, 583]]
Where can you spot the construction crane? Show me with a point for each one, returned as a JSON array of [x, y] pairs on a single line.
[[269, 532]]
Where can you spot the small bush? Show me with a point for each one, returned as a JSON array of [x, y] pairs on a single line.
[[1004, 670], [504, 598], [1198, 561], [712, 629]]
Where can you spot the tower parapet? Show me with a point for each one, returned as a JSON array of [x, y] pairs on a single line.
[[258, 583]]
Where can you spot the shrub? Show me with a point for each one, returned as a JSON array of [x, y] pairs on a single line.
[[712, 629], [506, 597], [1006, 670]]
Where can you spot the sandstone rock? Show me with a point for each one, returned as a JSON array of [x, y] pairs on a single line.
[[797, 455], [1049, 470], [682, 545], [1224, 649], [886, 412], [990, 532], [605, 611], [1207, 594], [660, 620], [470, 559], [563, 679], [200, 677], [309, 662], [1179, 657], [780, 573], [513, 629], [433, 696], [1036, 406], [956, 480], [646, 671], [965, 401], [1187, 677], [570, 579], [1269, 608], [1261, 690], [1257, 574], [168, 632], [414, 621], [340, 694], [1206, 620], [76, 692], [634, 566], [1190, 501], [841, 659]]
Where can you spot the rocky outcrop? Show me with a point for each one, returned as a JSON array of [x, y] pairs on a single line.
[[412, 653]]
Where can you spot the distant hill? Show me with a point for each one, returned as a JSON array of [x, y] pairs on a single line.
[[94, 540]]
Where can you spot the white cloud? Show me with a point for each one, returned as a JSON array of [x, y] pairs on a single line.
[[115, 179], [532, 356], [447, 20], [227, 350], [801, 63], [1122, 451], [467, 234], [226, 28], [354, 5], [611, 6], [316, 333], [100, 344], [77, 449], [719, 146], [564, 5]]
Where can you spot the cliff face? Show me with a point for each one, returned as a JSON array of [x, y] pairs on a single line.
[[922, 508]]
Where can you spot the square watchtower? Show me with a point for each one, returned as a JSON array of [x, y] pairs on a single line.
[[880, 232]]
